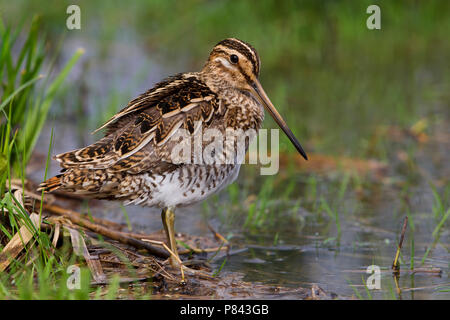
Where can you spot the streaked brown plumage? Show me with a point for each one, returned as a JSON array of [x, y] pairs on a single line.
[[133, 162]]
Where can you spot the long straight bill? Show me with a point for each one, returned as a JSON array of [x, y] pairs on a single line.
[[264, 99]]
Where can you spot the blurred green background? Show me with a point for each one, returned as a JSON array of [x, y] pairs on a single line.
[[334, 80]]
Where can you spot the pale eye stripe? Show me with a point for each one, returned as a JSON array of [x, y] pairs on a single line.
[[250, 52], [224, 62]]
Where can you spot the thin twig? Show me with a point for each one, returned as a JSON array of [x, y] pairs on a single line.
[[64, 211], [172, 254], [78, 219], [395, 265], [219, 237]]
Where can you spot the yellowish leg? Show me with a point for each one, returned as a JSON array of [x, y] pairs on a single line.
[[168, 220]]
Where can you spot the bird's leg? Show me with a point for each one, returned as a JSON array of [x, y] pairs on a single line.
[[168, 220]]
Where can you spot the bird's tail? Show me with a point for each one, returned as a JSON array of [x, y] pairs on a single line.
[[51, 184]]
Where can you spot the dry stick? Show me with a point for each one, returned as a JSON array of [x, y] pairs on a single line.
[[150, 237], [101, 221], [137, 235], [56, 236], [140, 256], [17, 243], [395, 265], [176, 257], [80, 248], [55, 208], [219, 237], [77, 218], [437, 271], [197, 250]]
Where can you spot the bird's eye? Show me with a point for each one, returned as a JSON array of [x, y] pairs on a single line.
[[234, 58]]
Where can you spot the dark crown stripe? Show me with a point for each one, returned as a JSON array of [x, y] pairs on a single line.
[[245, 49]]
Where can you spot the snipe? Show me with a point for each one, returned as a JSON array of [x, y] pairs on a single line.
[[133, 163]]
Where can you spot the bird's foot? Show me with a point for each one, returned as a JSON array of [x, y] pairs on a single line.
[[177, 264]]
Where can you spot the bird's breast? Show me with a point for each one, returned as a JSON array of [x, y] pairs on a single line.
[[242, 111], [186, 185]]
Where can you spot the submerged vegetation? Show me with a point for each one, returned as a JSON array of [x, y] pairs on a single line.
[[371, 106]]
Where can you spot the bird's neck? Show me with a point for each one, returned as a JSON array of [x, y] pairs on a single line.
[[213, 79], [242, 110]]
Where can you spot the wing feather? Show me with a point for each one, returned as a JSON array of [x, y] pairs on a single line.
[[136, 137]]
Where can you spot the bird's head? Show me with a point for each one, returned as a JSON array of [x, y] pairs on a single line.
[[236, 64]]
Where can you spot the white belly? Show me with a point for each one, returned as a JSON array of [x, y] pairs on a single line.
[[184, 186]]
